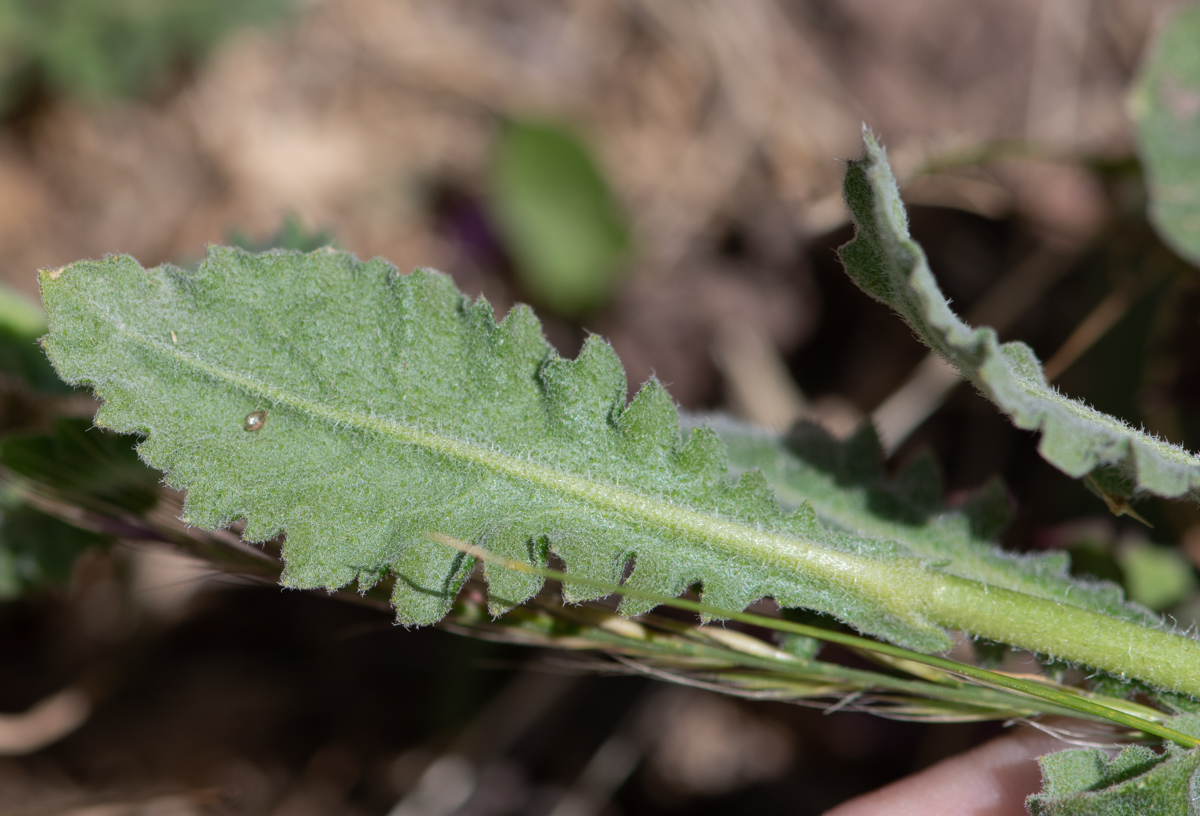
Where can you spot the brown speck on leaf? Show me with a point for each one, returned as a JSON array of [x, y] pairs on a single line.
[[174, 339], [54, 273], [256, 420]]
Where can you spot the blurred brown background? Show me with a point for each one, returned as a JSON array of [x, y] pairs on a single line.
[[718, 127]]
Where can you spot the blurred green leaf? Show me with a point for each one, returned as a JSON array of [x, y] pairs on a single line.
[[1166, 114], [292, 235], [84, 465], [98, 49], [1155, 576], [37, 550], [22, 322], [20, 315], [558, 217]]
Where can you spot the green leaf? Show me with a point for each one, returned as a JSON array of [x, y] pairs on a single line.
[[888, 265], [362, 410], [37, 550], [558, 217], [1136, 782], [845, 484], [1166, 115], [391, 406]]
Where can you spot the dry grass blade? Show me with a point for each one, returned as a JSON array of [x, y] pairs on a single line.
[[743, 665]]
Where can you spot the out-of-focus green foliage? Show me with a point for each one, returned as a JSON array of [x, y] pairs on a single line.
[[1158, 577], [21, 358], [98, 49], [292, 234], [19, 315], [558, 217], [85, 465], [1166, 113], [37, 550]]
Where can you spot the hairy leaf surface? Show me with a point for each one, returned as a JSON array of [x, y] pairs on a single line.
[[361, 410], [1136, 782], [844, 482], [887, 264]]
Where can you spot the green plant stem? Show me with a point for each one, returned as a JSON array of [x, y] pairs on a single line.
[[1028, 687]]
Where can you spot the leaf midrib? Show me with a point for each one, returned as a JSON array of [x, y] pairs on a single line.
[[753, 545]]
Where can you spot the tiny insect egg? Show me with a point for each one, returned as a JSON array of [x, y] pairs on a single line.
[[256, 420]]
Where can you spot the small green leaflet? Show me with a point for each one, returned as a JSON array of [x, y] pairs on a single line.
[[395, 408], [889, 266]]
